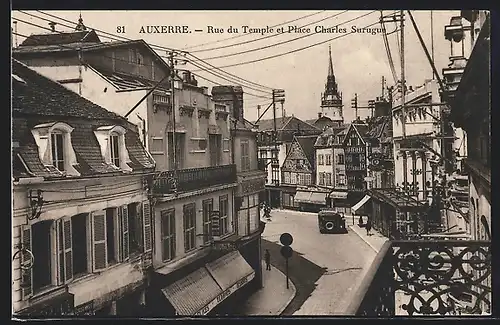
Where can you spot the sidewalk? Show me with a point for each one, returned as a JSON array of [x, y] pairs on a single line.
[[273, 298], [375, 241]]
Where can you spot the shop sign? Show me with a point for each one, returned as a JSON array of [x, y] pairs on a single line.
[[226, 293], [224, 246], [252, 186]]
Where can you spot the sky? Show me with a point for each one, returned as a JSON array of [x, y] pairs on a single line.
[[359, 59]]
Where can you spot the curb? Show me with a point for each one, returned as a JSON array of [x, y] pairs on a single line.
[[353, 228], [292, 287]]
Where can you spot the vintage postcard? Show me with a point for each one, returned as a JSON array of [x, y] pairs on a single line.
[[239, 163]]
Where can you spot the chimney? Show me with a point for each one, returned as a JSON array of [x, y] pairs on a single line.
[[319, 115], [194, 82], [52, 26], [186, 77]]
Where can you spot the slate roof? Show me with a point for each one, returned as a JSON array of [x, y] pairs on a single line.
[[306, 142], [226, 89], [55, 38], [322, 122], [37, 100], [326, 139]]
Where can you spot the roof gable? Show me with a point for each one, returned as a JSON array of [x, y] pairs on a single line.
[[354, 128]]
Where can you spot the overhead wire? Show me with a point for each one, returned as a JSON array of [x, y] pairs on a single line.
[[121, 38], [117, 59], [387, 48], [242, 35], [268, 36], [293, 51], [279, 43]]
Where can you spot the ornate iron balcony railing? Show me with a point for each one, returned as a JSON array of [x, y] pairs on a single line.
[[432, 277], [194, 179]]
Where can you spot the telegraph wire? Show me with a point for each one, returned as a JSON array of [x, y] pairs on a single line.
[[76, 50], [293, 51], [268, 36], [241, 35], [282, 42], [122, 38]]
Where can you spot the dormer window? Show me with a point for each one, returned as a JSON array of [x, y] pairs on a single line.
[[55, 148], [112, 142]]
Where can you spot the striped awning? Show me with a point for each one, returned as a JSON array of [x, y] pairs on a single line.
[[358, 205], [310, 197], [191, 293]]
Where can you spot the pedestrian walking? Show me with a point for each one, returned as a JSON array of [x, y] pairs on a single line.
[[368, 227], [267, 258]]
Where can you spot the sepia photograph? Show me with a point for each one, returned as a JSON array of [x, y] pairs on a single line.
[[173, 164]]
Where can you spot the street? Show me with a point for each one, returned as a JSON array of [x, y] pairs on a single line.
[[344, 256]]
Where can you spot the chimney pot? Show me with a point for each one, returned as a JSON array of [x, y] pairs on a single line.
[[319, 114]]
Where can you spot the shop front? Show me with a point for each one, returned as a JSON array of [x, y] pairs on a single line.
[[207, 286], [395, 214], [338, 200], [310, 200]]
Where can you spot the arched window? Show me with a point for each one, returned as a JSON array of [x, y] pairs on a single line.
[[486, 228], [55, 148], [112, 141]]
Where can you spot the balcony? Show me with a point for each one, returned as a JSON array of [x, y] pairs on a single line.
[[193, 179], [427, 277], [353, 168]]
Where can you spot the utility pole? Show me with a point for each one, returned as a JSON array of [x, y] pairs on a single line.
[[278, 96], [172, 98], [355, 106], [432, 44]]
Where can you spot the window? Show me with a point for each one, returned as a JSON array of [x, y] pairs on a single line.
[[179, 149], [207, 208], [354, 140], [339, 139], [112, 141], [328, 179], [110, 235], [79, 240], [41, 248], [215, 142], [135, 227], [189, 220], [161, 98], [328, 160], [245, 155], [168, 234], [321, 178], [287, 178], [115, 149], [57, 147], [224, 215], [320, 160], [340, 159], [156, 146], [341, 179], [225, 145]]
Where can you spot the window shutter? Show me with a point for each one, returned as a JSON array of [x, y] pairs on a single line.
[[99, 251], [68, 250], [125, 233], [26, 275], [60, 251], [139, 226], [146, 221]]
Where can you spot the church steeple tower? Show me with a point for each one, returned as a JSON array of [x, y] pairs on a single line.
[[80, 26], [331, 99]]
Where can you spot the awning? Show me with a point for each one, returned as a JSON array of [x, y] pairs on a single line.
[[399, 200], [230, 269], [338, 195], [193, 292], [302, 196], [358, 205], [201, 291], [318, 198], [310, 197]]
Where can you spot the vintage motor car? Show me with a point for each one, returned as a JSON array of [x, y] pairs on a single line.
[[331, 221]]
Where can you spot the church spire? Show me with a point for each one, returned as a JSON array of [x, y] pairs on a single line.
[[330, 64], [80, 26]]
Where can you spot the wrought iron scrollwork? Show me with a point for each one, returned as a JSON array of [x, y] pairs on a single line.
[[31, 258], [429, 272]]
